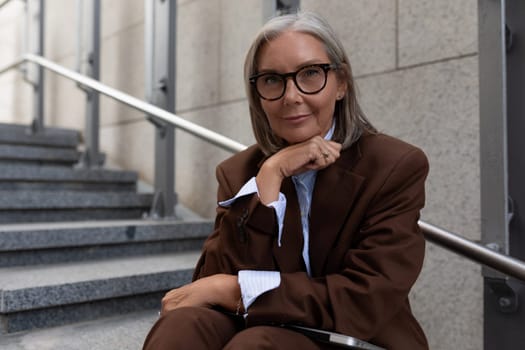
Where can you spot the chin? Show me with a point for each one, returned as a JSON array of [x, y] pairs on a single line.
[[298, 138]]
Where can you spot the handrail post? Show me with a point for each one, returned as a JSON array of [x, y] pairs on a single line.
[[160, 35], [35, 11], [501, 82], [91, 157]]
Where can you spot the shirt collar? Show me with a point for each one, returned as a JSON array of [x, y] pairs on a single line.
[[330, 132]]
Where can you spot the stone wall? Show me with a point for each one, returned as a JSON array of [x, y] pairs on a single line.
[[14, 95], [416, 67]]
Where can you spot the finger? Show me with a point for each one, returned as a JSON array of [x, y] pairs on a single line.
[[334, 146], [326, 146], [328, 158], [172, 299], [309, 155], [326, 151], [334, 150], [319, 162]]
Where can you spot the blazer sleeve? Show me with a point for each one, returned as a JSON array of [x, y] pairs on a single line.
[[376, 273], [243, 236]]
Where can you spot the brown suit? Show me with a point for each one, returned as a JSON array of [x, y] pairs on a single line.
[[366, 249]]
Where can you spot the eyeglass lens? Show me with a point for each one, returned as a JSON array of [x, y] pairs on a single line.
[[309, 80]]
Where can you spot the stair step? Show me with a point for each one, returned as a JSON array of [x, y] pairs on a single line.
[[41, 206], [46, 296], [119, 332], [15, 154], [32, 200], [47, 243], [61, 259], [51, 137], [35, 177]]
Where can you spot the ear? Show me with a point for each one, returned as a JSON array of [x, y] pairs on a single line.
[[341, 90], [342, 83]]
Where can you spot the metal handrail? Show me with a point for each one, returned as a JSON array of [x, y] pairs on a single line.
[[12, 65], [476, 252], [5, 2], [133, 102]]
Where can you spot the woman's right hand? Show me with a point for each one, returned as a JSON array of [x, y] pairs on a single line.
[[313, 154]]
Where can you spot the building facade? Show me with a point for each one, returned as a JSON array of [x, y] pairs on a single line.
[[416, 67]]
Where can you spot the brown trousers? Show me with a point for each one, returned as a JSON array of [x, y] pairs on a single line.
[[198, 328]]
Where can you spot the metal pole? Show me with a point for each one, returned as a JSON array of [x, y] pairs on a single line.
[[476, 252], [160, 91], [4, 3], [156, 112], [493, 124], [91, 156], [500, 138], [36, 12]]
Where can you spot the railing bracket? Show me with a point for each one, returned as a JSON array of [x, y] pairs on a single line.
[[160, 125], [158, 210], [86, 160], [157, 206], [505, 297], [36, 126]]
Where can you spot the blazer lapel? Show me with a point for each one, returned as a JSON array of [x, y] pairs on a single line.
[[336, 189], [289, 256]]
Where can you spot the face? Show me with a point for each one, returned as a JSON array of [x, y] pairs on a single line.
[[296, 116]]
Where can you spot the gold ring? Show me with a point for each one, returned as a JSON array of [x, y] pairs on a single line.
[[325, 154]]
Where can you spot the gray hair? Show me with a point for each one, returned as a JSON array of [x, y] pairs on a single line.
[[350, 121]]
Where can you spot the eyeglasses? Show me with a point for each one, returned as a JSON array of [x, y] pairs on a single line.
[[309, 80]]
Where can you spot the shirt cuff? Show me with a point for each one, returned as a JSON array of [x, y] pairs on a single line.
[[248, 188], [255, 283]]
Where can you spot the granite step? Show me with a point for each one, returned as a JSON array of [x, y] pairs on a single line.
[[53, 206], [49, 243], [38, 155], [18, 134], [52, 295], [123, 332], [53, 177]]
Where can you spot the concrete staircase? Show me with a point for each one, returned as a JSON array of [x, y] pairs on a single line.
[[75, 244]]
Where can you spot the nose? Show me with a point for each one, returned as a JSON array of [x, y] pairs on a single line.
[[291, 92]]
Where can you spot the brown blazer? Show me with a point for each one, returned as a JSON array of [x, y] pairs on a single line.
[[366, 248]]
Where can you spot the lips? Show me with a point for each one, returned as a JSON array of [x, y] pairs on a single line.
[[297, 118]]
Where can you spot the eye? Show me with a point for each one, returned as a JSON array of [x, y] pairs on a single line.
[[270, 79], [310, 72]]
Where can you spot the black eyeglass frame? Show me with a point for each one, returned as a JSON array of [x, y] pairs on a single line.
[[324, 66]]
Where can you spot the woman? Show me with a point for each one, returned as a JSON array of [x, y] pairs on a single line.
[[316, 223]]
